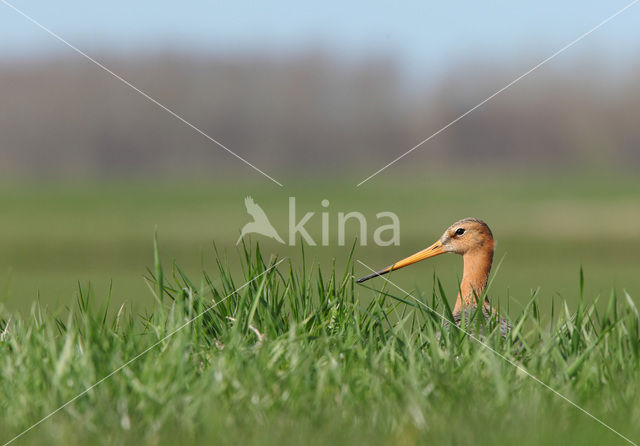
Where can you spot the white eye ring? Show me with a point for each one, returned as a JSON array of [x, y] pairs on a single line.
[[459, 231]]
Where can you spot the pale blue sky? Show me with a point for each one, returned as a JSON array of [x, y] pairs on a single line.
[[423, 35]]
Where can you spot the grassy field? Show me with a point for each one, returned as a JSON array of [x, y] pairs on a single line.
[[304, 356], [53, 236]]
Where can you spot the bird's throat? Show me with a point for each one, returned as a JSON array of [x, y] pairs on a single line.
[[477, 265]]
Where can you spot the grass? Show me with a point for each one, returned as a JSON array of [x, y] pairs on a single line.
[[54, 235], [302, 355]]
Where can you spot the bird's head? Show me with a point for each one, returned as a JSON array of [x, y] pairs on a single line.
[[466, 236]]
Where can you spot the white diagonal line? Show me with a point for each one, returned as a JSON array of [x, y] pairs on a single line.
[[516, 365], [129, 84], [97, 383], [561, 50]]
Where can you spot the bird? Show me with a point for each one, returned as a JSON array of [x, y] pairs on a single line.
[[260, 224], [473, 240]]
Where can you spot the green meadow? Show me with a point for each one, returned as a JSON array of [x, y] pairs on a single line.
[[284, 353], [56, 236], [196, 340]]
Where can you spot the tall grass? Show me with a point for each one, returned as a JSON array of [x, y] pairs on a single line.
[[299, 355]]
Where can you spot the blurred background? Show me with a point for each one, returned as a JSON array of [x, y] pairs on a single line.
[[319, 97]]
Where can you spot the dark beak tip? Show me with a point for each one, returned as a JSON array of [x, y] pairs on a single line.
[[370, 276]]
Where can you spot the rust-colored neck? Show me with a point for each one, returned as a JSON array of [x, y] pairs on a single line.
[[477, 265]]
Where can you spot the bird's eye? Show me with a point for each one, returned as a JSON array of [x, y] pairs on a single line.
[[459, 231]]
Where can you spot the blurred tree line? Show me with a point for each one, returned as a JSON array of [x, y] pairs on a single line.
[[63, 115]]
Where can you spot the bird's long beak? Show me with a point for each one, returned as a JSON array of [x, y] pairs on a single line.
[[431, 251]]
